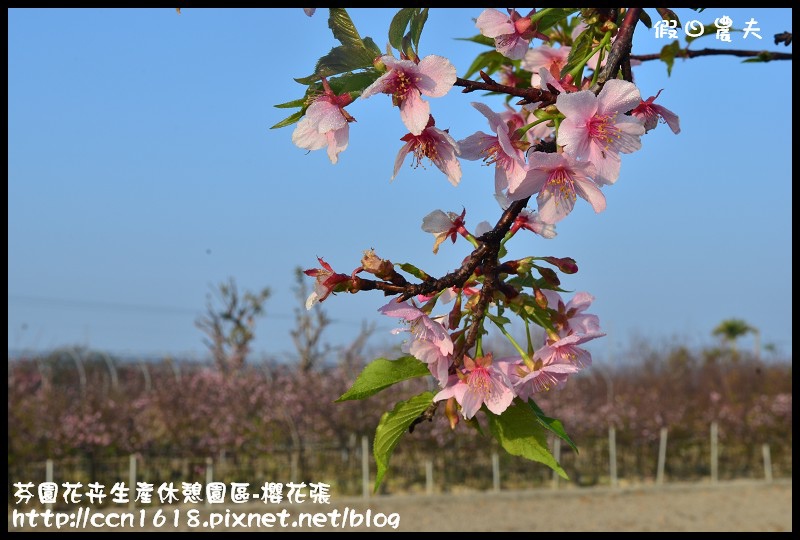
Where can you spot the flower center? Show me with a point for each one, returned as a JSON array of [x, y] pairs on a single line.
[[602, 129], [403, 84], [480, 381], [424, 146], [559, 183]]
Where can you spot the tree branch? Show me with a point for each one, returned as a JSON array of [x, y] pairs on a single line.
[[621, 48], [687, 53], [528, 95]]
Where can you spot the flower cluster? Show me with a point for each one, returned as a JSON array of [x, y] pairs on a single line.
[[555, 151], [579, 112], [484, 380]]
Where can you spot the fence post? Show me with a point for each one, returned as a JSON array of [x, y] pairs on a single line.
[[714, 453], [495, 471], [429, 477], [209, 475], [294, 464], [132, 481], [364, 467], [48, 477], [767, 463], [662, 456], [612, 455], [557, 456]]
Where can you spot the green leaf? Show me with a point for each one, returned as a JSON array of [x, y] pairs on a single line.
[[551, 424], [414, 271], [397, 28], [391, 428], [708, 30], [382, 373], [549, 17], [668, 54], [520, 433], [488, 61], [499, 320], [669, 15], [415, 29], [372, 47], [645, 19], [479, 38], [353, 82], [763, 57], [291, 104], [581, 49], [288, 121], [343, 28], [340, 59]]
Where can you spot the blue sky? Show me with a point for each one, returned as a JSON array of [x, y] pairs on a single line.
[[142, 170]]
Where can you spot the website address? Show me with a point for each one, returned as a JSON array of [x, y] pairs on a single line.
[[89, 518]]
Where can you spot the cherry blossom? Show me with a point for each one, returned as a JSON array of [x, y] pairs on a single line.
[[406, 81], [558, 179], [512, 33], [505, 149], [325, 123], [650, 113], [597, 128], [479, 383], [435, 144]]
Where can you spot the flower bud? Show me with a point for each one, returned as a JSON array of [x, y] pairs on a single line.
[[565, 264], [549, 276], [608, 26], [382, 268], [541, 299], [451, 412]]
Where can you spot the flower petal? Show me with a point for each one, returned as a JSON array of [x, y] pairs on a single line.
[[492, 23], [589, 191], [414, 112], [436, 75], [618, 96]]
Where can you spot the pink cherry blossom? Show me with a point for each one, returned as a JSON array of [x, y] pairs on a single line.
[[558, 179], [650, 112], [431, 353], [406, 81], [327, 281], [479, 383], [443, 225], [431, 343], [512, 33], [571, 317], [325, 123], [565, 350], [597, 129], [542, 377], [516, 119], [552, 59], [505, 149], [526, 219], [421, 326], [531, 221], [434, 144]]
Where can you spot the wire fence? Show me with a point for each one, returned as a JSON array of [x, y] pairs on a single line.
[[349, 470]]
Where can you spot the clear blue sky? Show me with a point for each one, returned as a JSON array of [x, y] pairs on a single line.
[[142, 170]]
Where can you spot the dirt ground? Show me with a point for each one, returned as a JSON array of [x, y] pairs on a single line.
[[729, 506]]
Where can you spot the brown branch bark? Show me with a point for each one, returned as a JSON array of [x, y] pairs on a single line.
[[621, 48], [528, 95]]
